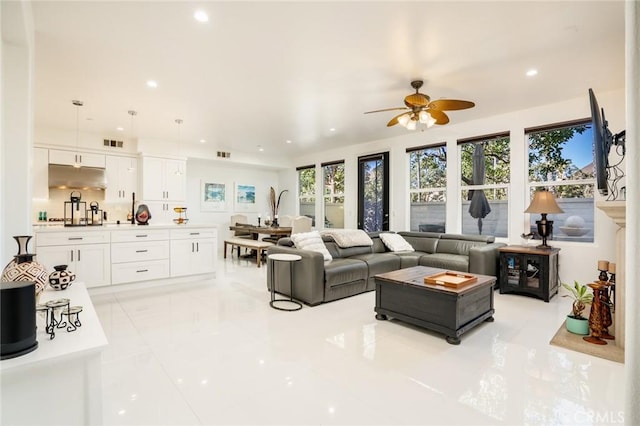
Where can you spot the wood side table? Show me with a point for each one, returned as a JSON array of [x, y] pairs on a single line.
[[529, 270]]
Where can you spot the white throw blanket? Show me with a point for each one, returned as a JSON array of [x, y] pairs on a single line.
[[348, 237]]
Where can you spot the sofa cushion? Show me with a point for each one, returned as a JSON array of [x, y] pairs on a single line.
[[409, 258], [311, 241], [457, 246], [342, 271], [395, 242], [452, 262], [379, 262], [422, 241]]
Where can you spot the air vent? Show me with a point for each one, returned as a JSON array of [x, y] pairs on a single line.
[[112, 143], [222, 154]]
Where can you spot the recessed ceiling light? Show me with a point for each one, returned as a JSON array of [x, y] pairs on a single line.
[[152, 83], [532, 72], [203, 141], [332, 129], [288, 141], [201, 16], [119, 129], [260, 148]]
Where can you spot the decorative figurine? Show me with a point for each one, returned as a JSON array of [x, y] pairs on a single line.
[[143, 215]]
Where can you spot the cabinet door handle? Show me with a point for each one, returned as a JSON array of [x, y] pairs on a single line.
[[81, 158], [142, 270], [75, 238], [78, 255], [141, 251], [142, 236], [197, 247], [72, 255]]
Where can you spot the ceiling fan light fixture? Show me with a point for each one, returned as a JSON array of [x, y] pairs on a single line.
[[411, 125], [404, 119]]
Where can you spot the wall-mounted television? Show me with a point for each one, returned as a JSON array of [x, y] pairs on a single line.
[[602, 141]]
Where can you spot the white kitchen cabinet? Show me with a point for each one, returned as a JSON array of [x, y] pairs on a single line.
[[70, 158], [193, 251], [87, 253], [122, 177], [162, 212], [40, 174], [163, 179], [139, 255]]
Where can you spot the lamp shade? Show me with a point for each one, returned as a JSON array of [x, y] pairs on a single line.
[[543, 202]]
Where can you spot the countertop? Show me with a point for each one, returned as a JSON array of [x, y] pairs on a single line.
[[89, 337], [57, 227]]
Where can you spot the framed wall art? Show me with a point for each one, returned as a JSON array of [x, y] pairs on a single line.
[[245, 198], [213, 196]]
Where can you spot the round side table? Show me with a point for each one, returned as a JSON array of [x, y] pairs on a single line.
[[291, 259]]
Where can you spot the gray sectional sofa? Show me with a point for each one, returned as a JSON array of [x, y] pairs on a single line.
[[352, 269]]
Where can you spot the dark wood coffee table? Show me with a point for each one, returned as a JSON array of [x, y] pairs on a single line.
[[452, 311]]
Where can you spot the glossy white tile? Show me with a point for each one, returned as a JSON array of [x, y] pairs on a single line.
[[214, 352]]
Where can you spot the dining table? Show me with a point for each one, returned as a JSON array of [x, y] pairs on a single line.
[[281, 231]]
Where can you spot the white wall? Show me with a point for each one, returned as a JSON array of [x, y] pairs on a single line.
[[216, 171], [574, 258], [17, 124]]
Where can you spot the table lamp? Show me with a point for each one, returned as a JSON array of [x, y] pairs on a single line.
[[544, 203]]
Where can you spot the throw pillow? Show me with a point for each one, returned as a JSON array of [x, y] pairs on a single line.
[[311, 241], [395, 242]]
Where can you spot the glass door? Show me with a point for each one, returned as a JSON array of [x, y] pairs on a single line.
[[373, 192]]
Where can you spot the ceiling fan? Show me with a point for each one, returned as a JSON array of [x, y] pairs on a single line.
[[420, 109]]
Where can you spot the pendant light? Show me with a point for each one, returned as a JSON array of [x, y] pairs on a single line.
[[78, 157], [132, 113], [179, 123]]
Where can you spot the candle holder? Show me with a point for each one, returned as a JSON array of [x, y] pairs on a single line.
[[597, 316], [612, 287], [258, 221]]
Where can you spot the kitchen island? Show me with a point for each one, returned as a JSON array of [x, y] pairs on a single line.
[[114, 254]]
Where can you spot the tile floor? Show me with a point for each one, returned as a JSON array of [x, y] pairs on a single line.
[[213, 352]]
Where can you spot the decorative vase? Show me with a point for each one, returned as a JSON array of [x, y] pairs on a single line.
[[577, 326], [24, 268], [61, 278], [143, 214]]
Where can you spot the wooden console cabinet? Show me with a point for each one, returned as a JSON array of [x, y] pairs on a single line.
[[529, 270]]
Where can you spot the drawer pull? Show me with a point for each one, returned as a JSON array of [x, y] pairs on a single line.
[[141, 251], [194, 233], [74, 238], [142, 236], [142, 270]]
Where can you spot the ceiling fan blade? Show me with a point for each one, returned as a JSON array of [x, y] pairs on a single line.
[[394, 120], [439, 116], [450, 104], [387, 109]]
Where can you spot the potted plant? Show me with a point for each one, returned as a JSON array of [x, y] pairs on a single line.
[[274, 204], [576, 323]]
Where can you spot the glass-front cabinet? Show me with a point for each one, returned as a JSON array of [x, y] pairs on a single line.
[[529, 270]]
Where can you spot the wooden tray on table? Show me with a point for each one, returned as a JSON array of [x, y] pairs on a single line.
[[450, 279]]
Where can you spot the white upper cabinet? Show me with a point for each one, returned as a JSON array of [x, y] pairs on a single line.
[[70, 158], [163, 179], [122, 177]]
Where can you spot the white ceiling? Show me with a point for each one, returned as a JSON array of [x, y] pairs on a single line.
[[261, 73]]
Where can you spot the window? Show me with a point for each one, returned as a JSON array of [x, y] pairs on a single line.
[[307, 191], [427, 188], [333, 190], [484, 166], [561, 160]]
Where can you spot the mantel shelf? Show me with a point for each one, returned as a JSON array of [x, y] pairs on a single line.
[[616, 210]]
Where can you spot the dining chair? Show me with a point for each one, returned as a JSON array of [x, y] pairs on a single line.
[[240, 220], [301, 224]]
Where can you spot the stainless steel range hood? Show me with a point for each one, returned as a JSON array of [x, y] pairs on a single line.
[[76, 178]]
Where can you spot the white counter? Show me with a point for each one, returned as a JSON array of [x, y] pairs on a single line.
[[61, 381], [57, 227]]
